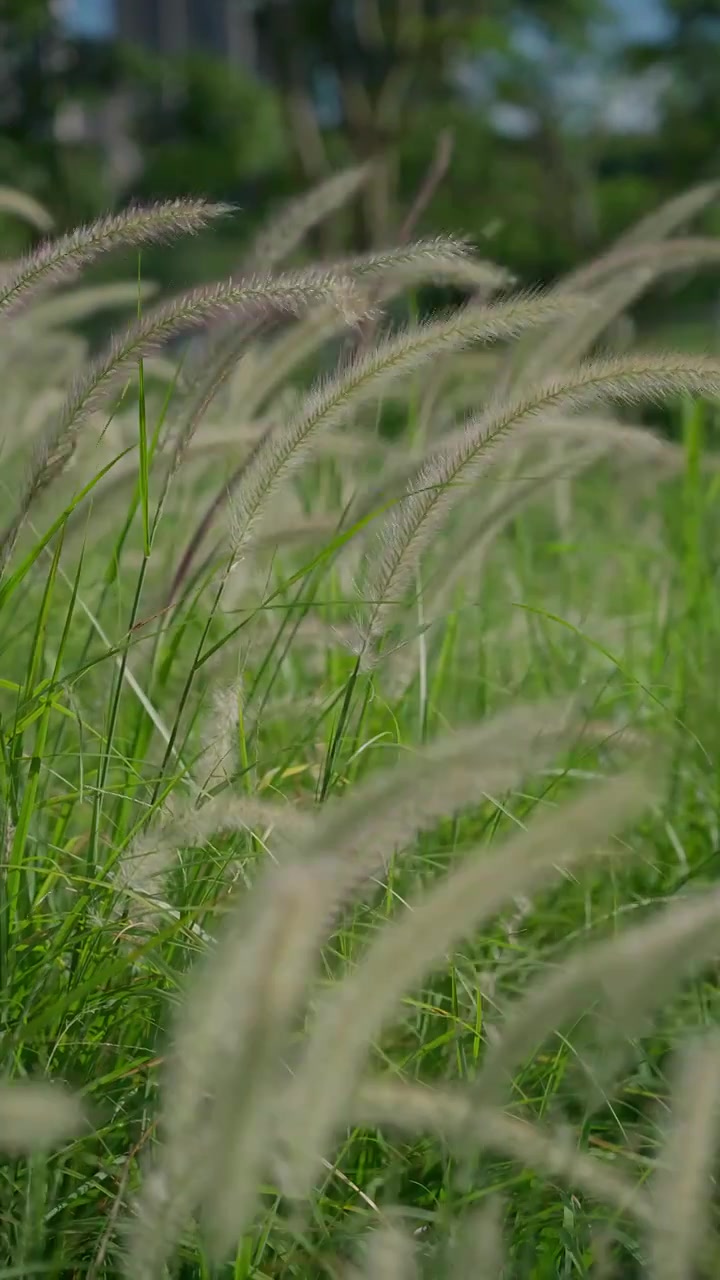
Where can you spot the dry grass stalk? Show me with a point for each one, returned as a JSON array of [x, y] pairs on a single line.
[[288, 228], [243, 999], [24, 206]]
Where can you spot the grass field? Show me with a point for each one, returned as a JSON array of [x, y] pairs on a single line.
[[407, 751]]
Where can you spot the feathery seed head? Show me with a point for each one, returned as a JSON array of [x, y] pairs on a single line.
[[682, 1186], [452, 1113], [58, 261], [290, 226], [369, 376], [272, 294], [36, 1116], [349, 1018], [437, 488]]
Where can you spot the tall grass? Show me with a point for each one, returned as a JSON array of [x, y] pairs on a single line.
[[358, 796]]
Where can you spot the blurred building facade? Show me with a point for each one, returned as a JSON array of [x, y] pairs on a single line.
[[170, 27], [223, 29]]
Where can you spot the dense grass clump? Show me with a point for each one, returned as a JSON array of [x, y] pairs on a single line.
[[358, 785]]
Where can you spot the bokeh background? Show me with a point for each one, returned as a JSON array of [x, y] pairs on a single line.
[[540, 128]]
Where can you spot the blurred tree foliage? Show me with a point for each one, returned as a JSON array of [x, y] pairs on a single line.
[[475, 115], [365, 79], [685, 60], [42, 73]]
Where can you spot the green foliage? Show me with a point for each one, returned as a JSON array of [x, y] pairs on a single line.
[[536, 177], [211, 130], [333, 897], [43, 71]]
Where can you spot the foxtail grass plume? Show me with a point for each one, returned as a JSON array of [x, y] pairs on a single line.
[[441, 258], [644, 246], [567, 344], [651, 231], [141, 873], [37, 1117], [438, 260], [623, 277], [440, 483], [579, 443], [224, 1074], [287, 293], [468, 549], [288, 228], [361, 830], [478, 1250], [390, 1254], [221, 349], [379, 276], [623, 978], [675, 213], [271, 945], [682, 1188], [679, 254], [367, 377], [384, 275], [218, 759], [58, 261], [350, 1017], [21, 205], [453, 1114], [73, 305]]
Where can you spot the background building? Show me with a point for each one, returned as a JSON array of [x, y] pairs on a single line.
[[223, 28]]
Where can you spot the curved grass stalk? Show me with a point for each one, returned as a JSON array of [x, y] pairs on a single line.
[[632, 271], [288, 228], [389, 1255], [626, 977], [26, 207], [436, 490], [223, 1075], [477, 535], [438, 260], [370, 375], [659, 257], [660, 223], [644, 248], [350, 1016], [35, 1117], [478, 1251], [682, 1187], [382, 274], [565, 346], [141, 873], [453, 1114], [221, 1088], [77, 304], [59, 260], [285, 293], [390, 809]]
